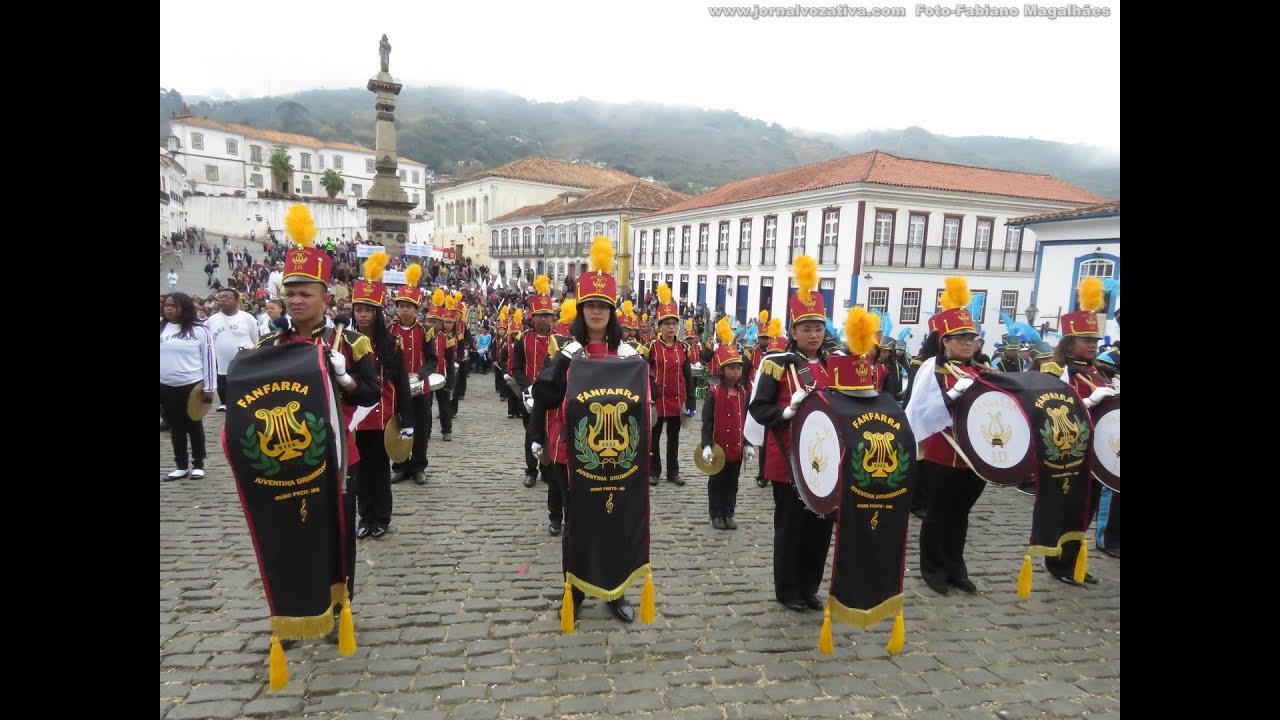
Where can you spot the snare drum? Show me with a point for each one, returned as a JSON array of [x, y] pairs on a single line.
[[415, 385], [435, 381]]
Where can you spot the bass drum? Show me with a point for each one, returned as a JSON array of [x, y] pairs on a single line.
[[1106, 442], [816, 454], [994, 435]]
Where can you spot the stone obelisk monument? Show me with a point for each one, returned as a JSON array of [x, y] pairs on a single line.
[[386, 205]]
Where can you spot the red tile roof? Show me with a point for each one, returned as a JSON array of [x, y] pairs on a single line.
[[1107, 208], [274, 136], [879, 168], [532, 211], [557, 172], [637, 196]]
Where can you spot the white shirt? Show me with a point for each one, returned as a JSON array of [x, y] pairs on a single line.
[[172, 277], [231, 333], [273, 284], [187, 360]]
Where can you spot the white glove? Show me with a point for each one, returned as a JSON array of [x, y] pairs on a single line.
[[706, 455], [1099, 395], [506, 377], [339, 363], [536, 449], [406, 434], [798, 396], [696, 366], [961, 385], [749, 452], [789, 412]]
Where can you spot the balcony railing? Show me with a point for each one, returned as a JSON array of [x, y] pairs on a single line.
[[938, 258], [164, 197], [767, 256], [827, 254], [744, 257]]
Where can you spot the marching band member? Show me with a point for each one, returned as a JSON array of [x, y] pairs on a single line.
[[419, 359], [769, 340], [672, 374], [723, 412], [463, 346], [529, 353], [443, 345], [801, 538], [1010, 359], [554, 424]]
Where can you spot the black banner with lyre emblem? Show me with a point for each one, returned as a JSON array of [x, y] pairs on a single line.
[[877, 477], [606, 411], [284, 438]]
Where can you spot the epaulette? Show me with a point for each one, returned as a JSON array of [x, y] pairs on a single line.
[[268, 339], [360, 345], [450, 343], [771, 368], [916, 362]]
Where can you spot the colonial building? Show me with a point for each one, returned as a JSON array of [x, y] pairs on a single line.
[[1073, 245], [886, 232], [173, 190], [224, 157], [554, 238], [465, 208]]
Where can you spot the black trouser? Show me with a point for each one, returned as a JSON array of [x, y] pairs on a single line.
[[174, 402], [952, 494], [1108, 534], [1065, 564], [673, 447], [459, 386], [760, 457], [373, 478], [800, 543], [920, 495], [531, 462], [722, 490], [443, 410], [557, 491], [222, 389], [498, 383], [421, 432]]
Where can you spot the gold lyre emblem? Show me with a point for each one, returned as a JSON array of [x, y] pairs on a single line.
[[861, 369], [1065, 432], [283, 427], [995, 431], [817, 458], [301, 258], [599, 282], [608, 436], [808, 300], [880, 460]]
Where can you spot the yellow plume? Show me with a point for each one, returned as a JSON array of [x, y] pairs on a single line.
[[300, 226], [518, 320], [644, 318], [860, 328], [628, 309], [664, 294], [688, 325], [374, 265], [437, 297], [806, 276], [764, 317], [568, 310], [957, 294], [542, 285], [1090, 294], [723, 332], [412, 275], [775, 327], [457, 296], [601, 254], [450, 302], [502, 315]]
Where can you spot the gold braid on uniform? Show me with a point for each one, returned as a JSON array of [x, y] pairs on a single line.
[[772, 369]]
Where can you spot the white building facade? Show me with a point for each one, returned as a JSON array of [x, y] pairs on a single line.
[[558, 247], [887, 246], [1071, 246], [223, 158], [173, 191]]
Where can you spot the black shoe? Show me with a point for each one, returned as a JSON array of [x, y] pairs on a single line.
[[362, 532], [399, 476], [762, 482], [509, 416], [378, 532], [1027, 488], [623, 610], [675, 479], [918, 512], [794, 603], [965, 584], [420, 477], [729, 524], [555, 528], [1112, 552], [653, 480], [813, 602], [447, 437], [530, 479], [718, 523], [937, 585], [1070, 579]]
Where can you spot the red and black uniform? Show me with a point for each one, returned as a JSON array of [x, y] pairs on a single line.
[[673, 391], [444, 365], [373, 474], [419, 358], [498, 358], [801, 538], [724, 410], [528, 355], [953, 488], [465, 349]]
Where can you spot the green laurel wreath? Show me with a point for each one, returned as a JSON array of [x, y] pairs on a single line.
[[624, 461], [862, 478], [1051, 451], [314, 454], [585, 453], [257, 460]]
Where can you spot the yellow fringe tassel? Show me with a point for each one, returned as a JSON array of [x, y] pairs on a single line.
[[346, 631], [566, 610], [898, 637], [647, 610], [1082, 563], [826, 645], [278, 671], [1024, 578]]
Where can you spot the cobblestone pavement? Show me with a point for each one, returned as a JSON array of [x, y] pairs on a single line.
[[457, 613]]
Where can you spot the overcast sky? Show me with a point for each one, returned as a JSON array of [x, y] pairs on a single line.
[[1014, 76]]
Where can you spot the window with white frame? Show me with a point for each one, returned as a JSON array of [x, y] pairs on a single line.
[[572, 248], [1097, 268], [404, 175], [255, 154], [982, 236], [910, 312], [415, 198], [937, 301], [670, 257], [704, 237], [722, 247], [415, 182], [950, 233], [830, 237], [211, 173], [368, 166], [744, 242], [526, 239], [321, 159], [233, 147], [1012, 239], [1009, 303], [878, 299], [884, 228], [306, 187], [337, 163], [644, 239], [357, 190], [539, 239], [305, 160], [612, 230], [916, 229], [769, 247], [197, 141], [798, 223], [686, 237], [255, 180]]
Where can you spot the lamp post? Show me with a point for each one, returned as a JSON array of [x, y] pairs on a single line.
[[1031, 312]]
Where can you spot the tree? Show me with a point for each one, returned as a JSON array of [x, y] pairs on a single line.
[[332, 182], [281, 171]]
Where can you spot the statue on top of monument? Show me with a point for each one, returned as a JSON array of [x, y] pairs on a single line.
[[384, 50]]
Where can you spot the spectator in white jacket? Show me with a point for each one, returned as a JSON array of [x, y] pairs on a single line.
[[186, 359]]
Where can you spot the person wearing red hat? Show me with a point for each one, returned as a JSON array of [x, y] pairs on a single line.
[[444, 353], [801, 538], [769, 340], [373, 473], [529, 354], [420, 361], [723, 412], [673, 393]]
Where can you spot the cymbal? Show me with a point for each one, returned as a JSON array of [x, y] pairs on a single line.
[[717, 459], [398, 449], [197, 406]]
